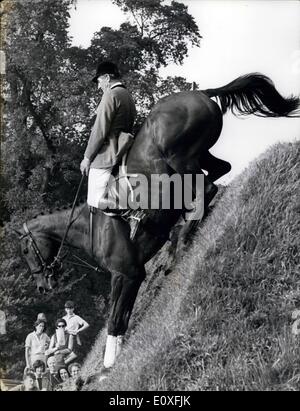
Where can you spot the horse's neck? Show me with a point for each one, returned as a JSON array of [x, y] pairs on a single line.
[[54, 226]]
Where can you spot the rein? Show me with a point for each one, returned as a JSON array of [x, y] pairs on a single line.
[[69, 221]]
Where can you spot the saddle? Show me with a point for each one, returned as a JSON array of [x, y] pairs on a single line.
[[115, 202]]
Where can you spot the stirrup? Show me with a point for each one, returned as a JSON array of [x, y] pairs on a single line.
[[134, 220]]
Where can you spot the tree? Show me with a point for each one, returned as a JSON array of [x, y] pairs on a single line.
[[165, 30], [45, 104]]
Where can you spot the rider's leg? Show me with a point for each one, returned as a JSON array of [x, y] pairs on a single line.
[[97, 186]]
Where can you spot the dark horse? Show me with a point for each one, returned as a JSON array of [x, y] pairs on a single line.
[[175, 138]]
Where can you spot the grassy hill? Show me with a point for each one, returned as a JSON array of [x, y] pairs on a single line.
[[221, 320]]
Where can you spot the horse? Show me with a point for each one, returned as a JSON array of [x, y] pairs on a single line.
[[175, 138]]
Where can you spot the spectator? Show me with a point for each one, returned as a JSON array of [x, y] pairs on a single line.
[[42, 381], [29, 384], [61, 344], [75, 324], [36, 344], [63, 374], [75, 380], [74, 370], [66, 383], [42, 316], [51, 374]]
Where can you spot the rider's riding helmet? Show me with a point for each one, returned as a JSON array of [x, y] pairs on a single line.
[[106, 67]]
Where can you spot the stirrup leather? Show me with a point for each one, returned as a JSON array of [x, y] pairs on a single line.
[[134, 218]]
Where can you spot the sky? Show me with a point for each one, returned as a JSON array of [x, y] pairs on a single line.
[[239, 37]]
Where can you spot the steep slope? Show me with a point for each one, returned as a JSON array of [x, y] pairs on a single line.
[[221, 319]]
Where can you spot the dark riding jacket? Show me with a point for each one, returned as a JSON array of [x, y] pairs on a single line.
[[116, 113]]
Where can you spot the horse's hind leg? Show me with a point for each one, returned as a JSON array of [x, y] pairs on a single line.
[[215, 167], [193, 166]]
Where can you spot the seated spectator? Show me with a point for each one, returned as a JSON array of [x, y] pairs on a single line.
[[29, 384], [63, 374], [75, 379], [61, 344], [42, 381], [74, 370], [66, 383], [75, 324], [51, 374], [36, 344]]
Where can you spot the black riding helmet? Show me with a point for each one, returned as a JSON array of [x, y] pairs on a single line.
[[106, 67]]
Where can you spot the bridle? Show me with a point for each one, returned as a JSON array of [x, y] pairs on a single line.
[[47, 269], [57, 263]]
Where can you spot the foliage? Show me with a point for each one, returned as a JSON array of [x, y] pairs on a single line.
[[164, 30], [42, 89]]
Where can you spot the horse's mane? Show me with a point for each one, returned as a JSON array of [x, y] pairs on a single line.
[[60, 208]]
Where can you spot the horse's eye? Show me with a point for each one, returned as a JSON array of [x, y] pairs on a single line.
[[25, 251]]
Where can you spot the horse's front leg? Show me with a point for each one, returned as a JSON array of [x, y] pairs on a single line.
[[123, 295]]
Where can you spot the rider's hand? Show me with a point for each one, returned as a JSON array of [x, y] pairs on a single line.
[[85, 166]]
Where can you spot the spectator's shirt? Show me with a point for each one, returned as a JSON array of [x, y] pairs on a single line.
[[37, 345], [52, 380], [74, 322], [42, 383]]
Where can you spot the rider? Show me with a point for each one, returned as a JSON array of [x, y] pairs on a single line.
[[115, 114]]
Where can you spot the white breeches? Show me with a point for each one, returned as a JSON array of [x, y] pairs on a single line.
[[97, 185]]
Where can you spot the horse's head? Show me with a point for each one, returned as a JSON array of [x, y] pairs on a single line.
[[38, 251]]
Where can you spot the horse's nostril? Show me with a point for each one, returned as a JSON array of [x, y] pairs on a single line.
[[41, 290]]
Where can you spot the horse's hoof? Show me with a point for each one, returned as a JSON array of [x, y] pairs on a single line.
[[102, 378], [104, 373]]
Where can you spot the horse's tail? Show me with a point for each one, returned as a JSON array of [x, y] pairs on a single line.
[[255, 94]]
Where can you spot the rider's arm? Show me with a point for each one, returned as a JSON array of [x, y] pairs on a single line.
[[100, 130]]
